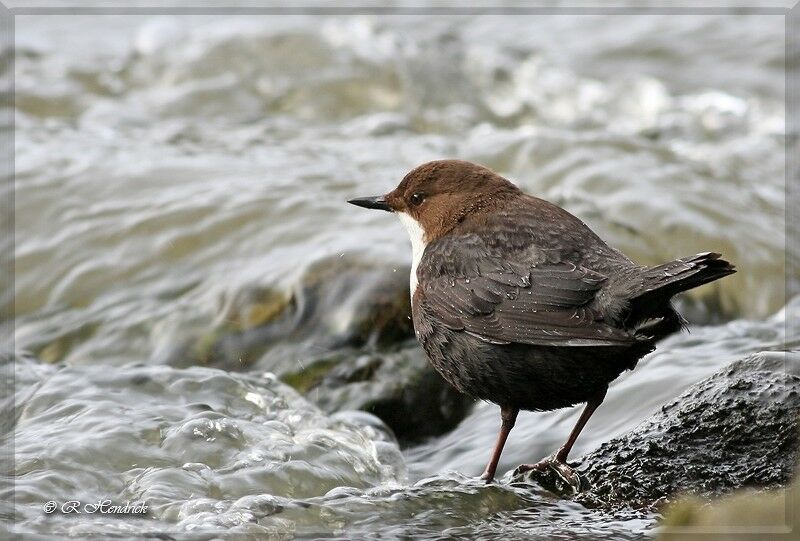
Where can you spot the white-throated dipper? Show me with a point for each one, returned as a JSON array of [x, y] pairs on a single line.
[[516, 301]]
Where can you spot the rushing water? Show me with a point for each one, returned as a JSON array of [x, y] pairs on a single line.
[[166, 166]]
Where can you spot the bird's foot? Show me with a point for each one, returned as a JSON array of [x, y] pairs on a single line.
[[567, 481], [487, 476]]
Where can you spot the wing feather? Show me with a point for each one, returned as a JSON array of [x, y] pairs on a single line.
[[510, 302]]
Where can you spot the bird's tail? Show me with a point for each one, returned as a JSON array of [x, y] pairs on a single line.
[[648, 313], [683, 274], [661, 282]]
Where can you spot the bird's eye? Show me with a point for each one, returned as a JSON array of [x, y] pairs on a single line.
[[417, 198]]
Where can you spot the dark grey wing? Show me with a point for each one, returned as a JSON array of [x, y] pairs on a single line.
[[509, 302]]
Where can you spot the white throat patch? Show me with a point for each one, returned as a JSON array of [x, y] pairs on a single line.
[[416, 234]]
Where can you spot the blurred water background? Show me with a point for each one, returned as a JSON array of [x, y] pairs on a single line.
[[169, 166]]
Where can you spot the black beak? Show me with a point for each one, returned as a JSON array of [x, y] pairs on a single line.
[[377, 202]]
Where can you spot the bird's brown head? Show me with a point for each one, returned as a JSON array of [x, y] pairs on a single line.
[[435, 197]]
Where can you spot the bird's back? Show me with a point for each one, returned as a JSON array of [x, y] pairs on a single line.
[[530, 272]]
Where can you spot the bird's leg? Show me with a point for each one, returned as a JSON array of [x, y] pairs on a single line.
[[508, 417], [591, 405], [558, 461]]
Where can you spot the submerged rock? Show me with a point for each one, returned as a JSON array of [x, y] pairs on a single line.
[[355, 302], [401, 388], [339, 302], [735, 429], [753, 515]]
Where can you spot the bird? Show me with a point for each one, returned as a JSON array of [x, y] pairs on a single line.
[[517, 302]]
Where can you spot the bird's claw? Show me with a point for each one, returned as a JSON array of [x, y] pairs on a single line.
[[562, 471]]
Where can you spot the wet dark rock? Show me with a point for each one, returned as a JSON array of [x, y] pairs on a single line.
[[735, 429], [401, 388]]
